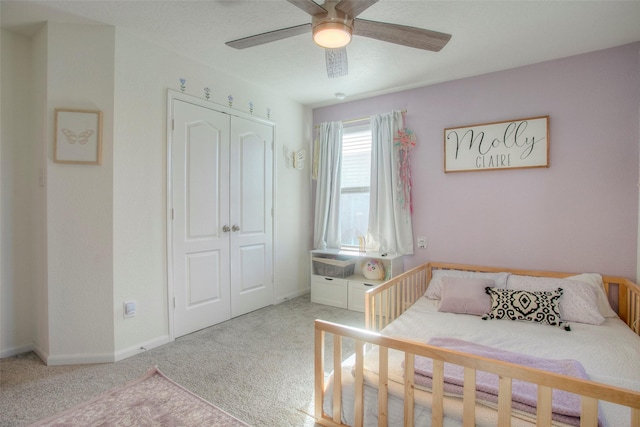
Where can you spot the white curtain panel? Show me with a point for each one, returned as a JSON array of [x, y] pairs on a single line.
[[390, 228], [326, 228]]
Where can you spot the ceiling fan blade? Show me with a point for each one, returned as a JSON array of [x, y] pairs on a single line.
[[309, 6], [401, 34], [269, 37], [354, 8], [337, 65]]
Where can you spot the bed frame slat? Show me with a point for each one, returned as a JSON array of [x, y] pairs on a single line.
[[589, 412], [383, 387], [409, 388], [504, 402], [437, 402], [359, 386], [469, 398], [337, 378], [318, 361], [543, 415]]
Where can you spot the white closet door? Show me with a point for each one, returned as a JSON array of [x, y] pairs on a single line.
[[200, 195], [251, 203]]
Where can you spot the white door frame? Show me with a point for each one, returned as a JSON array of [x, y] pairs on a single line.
[[174, 95]]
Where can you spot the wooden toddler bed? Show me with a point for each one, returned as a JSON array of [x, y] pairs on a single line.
[[380, 384]]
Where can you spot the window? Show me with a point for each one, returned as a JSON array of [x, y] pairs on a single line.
[[355, 182]]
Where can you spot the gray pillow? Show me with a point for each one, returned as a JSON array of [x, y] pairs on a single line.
[[434, 290], [465, 295]]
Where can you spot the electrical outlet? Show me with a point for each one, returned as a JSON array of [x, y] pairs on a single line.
[[129, 309], [422, 242]]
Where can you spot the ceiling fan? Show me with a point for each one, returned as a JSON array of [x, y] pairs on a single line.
[[333, 24]]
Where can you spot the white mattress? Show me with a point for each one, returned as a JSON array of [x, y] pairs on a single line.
[[609, 353]]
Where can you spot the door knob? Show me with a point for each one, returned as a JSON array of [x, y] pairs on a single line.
[[235, 228], [226, 229]]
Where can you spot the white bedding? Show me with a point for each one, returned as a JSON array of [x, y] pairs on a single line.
[[609, 353]]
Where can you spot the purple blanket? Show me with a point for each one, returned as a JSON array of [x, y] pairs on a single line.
[[565, 406]]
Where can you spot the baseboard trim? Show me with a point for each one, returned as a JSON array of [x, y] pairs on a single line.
[[136, 349], [41, 354], [79, 359], [292, 295], [16, 350]]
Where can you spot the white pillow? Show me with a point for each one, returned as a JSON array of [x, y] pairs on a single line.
[[434, 290], [595, 280], [579, 303]]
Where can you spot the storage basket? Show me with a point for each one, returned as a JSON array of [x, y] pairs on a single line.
[[333, 266]]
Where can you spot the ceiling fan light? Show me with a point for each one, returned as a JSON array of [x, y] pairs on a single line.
[[331, 35]]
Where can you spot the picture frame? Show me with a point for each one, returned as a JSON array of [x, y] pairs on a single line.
[[77, 136], [511, 144]]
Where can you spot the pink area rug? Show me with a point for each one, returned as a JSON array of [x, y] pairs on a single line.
[[152, 400]]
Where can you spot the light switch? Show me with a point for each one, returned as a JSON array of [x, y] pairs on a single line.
[[422, 242]]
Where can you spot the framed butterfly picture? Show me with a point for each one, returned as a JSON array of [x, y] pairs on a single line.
[[78, 137]]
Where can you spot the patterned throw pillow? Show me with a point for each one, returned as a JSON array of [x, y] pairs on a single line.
[[540, 307]]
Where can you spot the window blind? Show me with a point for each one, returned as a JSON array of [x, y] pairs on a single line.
[[356, 161]]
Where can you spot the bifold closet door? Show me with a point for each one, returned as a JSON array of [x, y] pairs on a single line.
[[200, 201]]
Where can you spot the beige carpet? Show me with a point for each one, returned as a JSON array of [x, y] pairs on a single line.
[[151, 400], [257, 367]]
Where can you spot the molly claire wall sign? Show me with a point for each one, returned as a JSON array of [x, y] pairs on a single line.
[[521, 143]]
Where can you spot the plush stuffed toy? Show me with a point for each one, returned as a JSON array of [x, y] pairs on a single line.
[[373, 269]]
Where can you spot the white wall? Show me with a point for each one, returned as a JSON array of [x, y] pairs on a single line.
[[144, 73], [16, 181], [98, 233], [139, 192], [38, 209], [294, 223], [80, 75]]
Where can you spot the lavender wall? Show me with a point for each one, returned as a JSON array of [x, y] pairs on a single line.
[[580, 214]]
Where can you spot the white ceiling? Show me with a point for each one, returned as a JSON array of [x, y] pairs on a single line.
[[487, 36]]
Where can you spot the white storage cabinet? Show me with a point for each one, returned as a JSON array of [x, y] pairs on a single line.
[[337, 280]]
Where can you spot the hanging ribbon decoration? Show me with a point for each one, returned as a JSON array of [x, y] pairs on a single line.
[[404, 141]]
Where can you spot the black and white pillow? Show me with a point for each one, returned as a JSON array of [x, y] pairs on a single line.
[[540, 307]]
